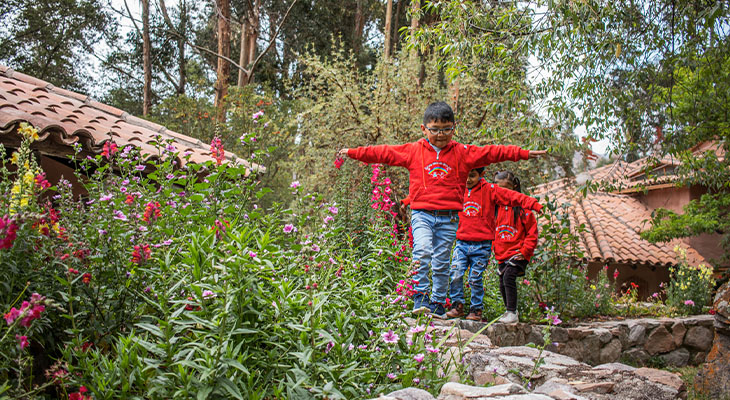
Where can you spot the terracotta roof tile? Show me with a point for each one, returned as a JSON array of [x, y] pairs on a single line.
[[66, 117], [613, 225]]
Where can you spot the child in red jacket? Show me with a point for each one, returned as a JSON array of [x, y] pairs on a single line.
[[438, 168], [515, 240], [474, 239]]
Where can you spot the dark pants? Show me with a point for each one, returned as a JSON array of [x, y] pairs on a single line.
[[508, 273]]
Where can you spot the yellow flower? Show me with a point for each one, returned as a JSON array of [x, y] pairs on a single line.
[[28, 131], [28, 178], [14, 158], [593, 287]]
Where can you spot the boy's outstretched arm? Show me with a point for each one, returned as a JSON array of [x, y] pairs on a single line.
[[384, 154], [478, 156], [505, 197]]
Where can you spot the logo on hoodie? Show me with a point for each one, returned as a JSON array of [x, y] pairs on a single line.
[[471, 209], [438, 170], [506, 232]]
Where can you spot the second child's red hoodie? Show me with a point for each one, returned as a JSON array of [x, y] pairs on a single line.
[[437, 180], [476, 221], [514, 235]]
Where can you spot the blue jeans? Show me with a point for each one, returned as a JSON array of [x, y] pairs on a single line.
[[433, 237], [475, 257]]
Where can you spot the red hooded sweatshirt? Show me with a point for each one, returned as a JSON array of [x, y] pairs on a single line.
[[476, 221], [437, 180], [511, 238]]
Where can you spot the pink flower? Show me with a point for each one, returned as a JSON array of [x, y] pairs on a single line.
[[252, 254], [390, 337], [526, 282], [689, 303], [615, 273], [333, 210], [22, 341], [208, 294], [8, 232], [553, 319], [655, 295], [432, 349], [288, 228], [391, 375], [216, 150], [418, 328], [419, 357], [294, 185]]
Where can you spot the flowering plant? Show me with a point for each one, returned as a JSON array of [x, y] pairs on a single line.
[[689, 287]]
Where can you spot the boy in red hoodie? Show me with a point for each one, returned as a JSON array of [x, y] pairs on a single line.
[[515, 240], [474, 239], [438, 168]]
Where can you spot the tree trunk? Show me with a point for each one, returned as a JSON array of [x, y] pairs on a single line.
[[359, 27], [388, 28], [253, 36], [182, 64], [454, 94], [395, 39], [224, 48], [415, 8], [146, 59], [243, 60]]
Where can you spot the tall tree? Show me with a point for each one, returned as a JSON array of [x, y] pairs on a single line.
[[51, 39], [388, 28], [223, 71], [146, 59]]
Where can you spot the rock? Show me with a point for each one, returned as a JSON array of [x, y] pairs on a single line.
[[453, 391], [563, 395], [637, 335], [698, 358], [615, 367], [659, 341], [408, 394], [611, 352], [676, 358], [713, 379], [554, 384], [663, 377], [699, 338], [637, 356], [559, 335], [678, 331], [591, 349], [604, 335], [598, 387], [578, 333]]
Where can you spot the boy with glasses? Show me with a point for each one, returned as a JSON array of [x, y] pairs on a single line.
[[438, 169]]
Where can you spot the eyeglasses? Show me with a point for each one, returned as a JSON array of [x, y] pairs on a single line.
[[445, 131]]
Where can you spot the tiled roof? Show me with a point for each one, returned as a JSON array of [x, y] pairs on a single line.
[[612, 226], [64, 118], [613, 220]]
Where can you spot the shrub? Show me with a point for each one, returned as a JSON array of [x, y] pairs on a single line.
[[689, 288]]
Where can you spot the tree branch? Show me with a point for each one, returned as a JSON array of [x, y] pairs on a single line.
[[249, 73]]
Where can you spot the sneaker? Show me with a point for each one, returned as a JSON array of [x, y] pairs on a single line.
[[509, 318], [475, 314], [420, 304], [457, 311], [437, 310]]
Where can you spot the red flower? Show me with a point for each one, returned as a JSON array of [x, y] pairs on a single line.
[[65, 256], [141, 253], [216, 150], [129, 199], [152, 211], [73, 271], [8, 230], [634, 285], [109, 149], [41, 181], [448, 303], [338, 162], [542, 305], [22, 341], [86, 278], [712, 311]]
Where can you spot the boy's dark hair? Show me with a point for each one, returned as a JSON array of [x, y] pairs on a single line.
[[479, 170], [516, 186], [438, 112]]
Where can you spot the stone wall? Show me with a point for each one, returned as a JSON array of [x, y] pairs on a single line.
[[675, 341]]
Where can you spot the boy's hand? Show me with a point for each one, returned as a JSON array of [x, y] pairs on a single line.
[[342, 153], [537, 153]]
